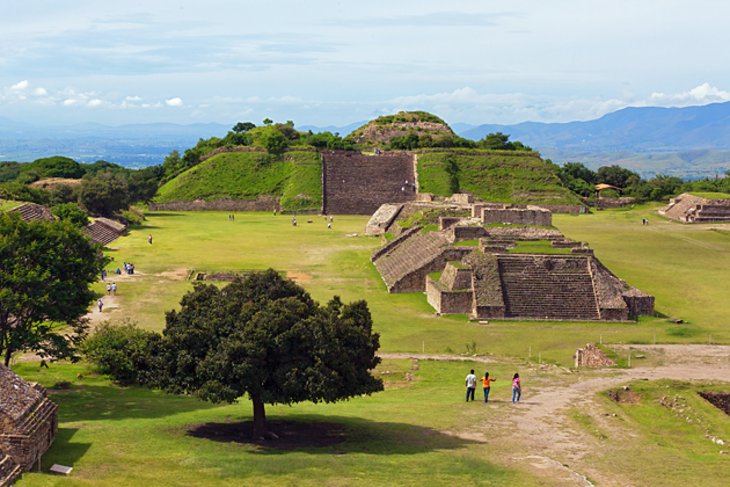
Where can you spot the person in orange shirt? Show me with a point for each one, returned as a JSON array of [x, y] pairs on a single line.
[[487, 385]]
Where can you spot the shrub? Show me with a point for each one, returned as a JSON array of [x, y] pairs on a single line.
[[122, 351]]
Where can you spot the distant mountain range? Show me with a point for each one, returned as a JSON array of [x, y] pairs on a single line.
[[689, 142]]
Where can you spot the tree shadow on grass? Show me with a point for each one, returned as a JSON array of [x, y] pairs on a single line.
[[64, 451], [334, 435], [165, 214], [95, 402]]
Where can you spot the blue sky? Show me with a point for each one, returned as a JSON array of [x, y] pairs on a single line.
[[333, 63]]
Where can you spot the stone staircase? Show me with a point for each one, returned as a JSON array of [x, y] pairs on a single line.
[[33, 212], [548, 287], [9, 470], [411, 255], [104, 231], [357, 184]]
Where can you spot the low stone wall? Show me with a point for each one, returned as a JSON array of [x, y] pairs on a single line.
[[566, 209], [467, 233], [448, 302], [519, 216], [524, 233], [605, 203], [448, 221], [263, 203], [639, 303]]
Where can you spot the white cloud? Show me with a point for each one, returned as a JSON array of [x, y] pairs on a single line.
[[174, 102], [132, 98], [69, 102], [699, 95], [40, 92], [20, 85], [95, 102]]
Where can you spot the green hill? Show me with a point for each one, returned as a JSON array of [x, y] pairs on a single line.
[[294, 176], [499, 176]]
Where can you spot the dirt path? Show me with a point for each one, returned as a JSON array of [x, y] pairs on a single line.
[[443, 358]]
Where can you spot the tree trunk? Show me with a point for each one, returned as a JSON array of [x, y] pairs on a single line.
[[259, 417], [8, 355]]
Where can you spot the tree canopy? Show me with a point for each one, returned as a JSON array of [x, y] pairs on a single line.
[[264, 336], [46, 271]]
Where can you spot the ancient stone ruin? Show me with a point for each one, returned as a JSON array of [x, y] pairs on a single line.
[[104, 230], [28, 424], [33, 212], [592, 357], [496, 280], [355, 183], [688, 208]]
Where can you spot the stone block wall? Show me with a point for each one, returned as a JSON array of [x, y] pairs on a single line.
[[262, 203], [639, 303], [519, 216], [455, 277], [448, 221], [448, 302], [467, 233]]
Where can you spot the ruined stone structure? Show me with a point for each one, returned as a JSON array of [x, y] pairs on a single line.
[[592, 356], [489, 282], [28, 423], [104, 230], [33, 212], [688, 208], [355, 183]]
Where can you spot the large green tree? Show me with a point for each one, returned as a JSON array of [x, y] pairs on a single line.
[[264, 336], [104, 193], [45, 274]]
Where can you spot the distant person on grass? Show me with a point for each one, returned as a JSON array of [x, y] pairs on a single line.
[[487, 385], [100, 304], [516, 388], [471, 385], [149, 239], [114, 288]]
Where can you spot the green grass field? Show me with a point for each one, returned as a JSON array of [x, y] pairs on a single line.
[[414, 432]]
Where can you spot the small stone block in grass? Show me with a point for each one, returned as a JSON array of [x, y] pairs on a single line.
[[61, 469]]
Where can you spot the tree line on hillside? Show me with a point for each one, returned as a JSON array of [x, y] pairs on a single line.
[[103, 188], [582, 180]]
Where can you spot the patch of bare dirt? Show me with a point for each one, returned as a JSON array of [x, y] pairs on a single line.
[[299, 277], [49, 183], [179, 274], [293, 435], [624, 396]]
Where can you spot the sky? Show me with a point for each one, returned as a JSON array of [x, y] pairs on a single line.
[[334, 62]]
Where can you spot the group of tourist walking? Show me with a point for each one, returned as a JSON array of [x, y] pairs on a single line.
[[486, 380]]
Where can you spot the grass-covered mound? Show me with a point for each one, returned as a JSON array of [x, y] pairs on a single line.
[[295, 177], [383, 130], [499, 176]]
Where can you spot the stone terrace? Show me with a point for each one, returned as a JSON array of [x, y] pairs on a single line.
[[9, 470], [358, 184], [33, 212], [104, 231], [548, 287], [688, 208]]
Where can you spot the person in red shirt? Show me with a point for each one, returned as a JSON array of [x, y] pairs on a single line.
[[487, 385]]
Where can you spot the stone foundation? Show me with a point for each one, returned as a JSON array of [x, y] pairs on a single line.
[[593, 357]]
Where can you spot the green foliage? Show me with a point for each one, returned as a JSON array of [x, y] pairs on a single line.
[[143, 183], [500, 141], [123, 352], [265, 336], [501, 176], [617, 176], [273, 140], [296, 176], [56, 167], [414, 116], [44, 282], [9, 171], [133, 215], [72, 213], [327, 140], [21, 192], [105, 193], [242, 127]]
